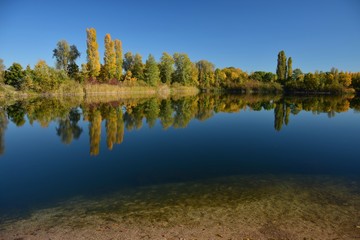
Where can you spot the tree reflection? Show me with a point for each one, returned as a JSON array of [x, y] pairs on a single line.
[[68, 128], [176, 112], [3, 126], [95, 131], [16, 113]]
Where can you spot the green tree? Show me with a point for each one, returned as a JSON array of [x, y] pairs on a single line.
[[138, 68], [119, 59], [73, 68], [62, 54], [183, 73], [66, 57], [2, 71], [14, 75], [206, 72], [151, 72], [289, 68], [109, 58], [281, 66], [128, 62], [166, 67], [93, 59], [298, 75]]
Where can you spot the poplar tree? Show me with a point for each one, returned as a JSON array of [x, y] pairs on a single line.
[[109, 58], [93, 59], [166, 67], [151, 72], [119, 59], [281, 66], [289, 68]]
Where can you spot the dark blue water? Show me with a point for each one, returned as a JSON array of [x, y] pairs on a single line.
[[55, 150]]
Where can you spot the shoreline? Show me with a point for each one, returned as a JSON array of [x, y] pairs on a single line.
[[162, 91]]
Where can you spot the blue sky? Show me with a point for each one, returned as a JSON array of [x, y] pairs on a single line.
[[246, 34]]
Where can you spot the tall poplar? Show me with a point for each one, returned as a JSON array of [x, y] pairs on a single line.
[[109, 58], [281, 66], [93, 59], [289, 68], [119, 59]]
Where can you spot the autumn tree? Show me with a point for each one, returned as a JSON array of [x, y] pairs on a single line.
[[289, 68], [46, 78], [151, 71], [119, 59], [27, 83], [109, 58], [345, 79], [166, 67], [206, 72], [93, 59], [281, 66]]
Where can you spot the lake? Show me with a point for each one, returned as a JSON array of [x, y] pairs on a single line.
[[210, 166]]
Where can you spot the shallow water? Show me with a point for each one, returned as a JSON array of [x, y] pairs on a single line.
[[199, 167]]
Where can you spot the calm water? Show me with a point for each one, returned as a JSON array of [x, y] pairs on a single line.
[[284, 156]]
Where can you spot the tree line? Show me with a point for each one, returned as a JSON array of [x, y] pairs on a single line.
[[129, 69], [171, 112]]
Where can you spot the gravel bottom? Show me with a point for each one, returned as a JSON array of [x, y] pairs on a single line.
[[239, 207]]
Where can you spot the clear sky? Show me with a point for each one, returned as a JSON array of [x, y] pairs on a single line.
[[246, 34]]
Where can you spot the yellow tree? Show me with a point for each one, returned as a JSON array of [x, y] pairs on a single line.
[[93, 59], [119, 58], [109, 58], [345, 79]]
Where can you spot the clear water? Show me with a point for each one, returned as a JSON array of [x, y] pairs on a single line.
[[204, 167]]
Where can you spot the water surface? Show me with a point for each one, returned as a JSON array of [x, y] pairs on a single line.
[[204, 167]]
